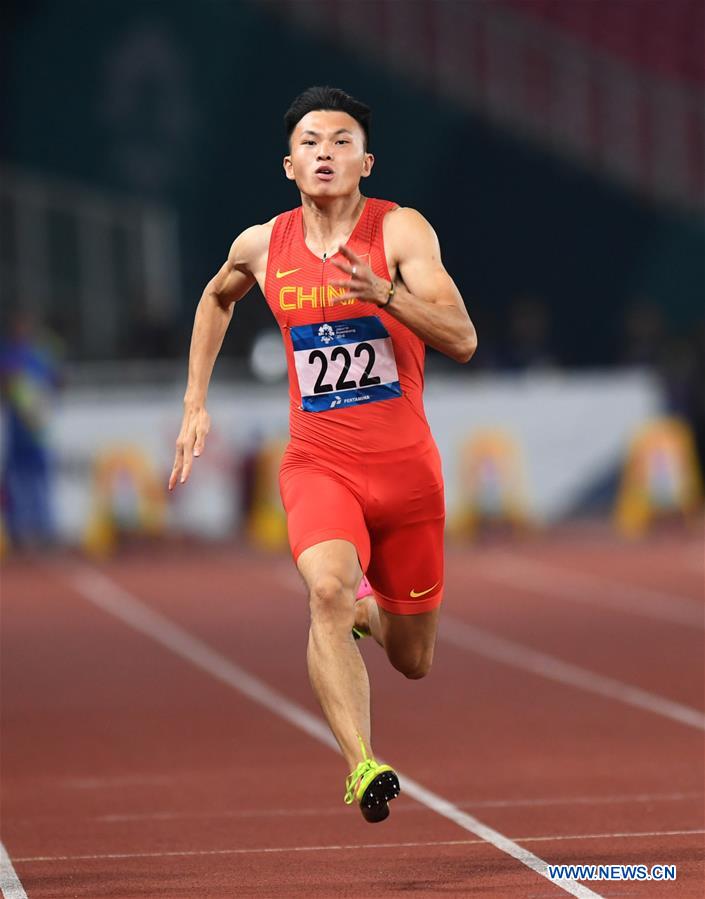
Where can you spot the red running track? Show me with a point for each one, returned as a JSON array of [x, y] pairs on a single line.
[[130, 770]]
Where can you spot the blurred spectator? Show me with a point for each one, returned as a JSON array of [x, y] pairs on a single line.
[[528, 340], [683, 371], [676, 359], [644, 335], [29, 379]]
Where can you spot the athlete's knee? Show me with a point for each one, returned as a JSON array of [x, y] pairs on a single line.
[[329, 595]]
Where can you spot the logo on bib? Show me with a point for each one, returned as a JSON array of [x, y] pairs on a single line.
[[336, 402], [326, 333]]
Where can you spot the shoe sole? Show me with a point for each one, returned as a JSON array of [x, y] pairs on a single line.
[[374, 803]]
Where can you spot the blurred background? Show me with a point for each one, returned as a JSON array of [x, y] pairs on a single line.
[[555, 145]]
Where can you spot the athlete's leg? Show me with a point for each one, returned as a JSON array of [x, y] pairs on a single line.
[[408, 640], [330, 542], [406, 561], [338, 676], [406, 574]]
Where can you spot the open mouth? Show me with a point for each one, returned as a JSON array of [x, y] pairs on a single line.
[[324, 172]]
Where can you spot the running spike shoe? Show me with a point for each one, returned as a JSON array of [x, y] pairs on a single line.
[[372, 786]]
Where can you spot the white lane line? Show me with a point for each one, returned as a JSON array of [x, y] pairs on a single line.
[[264, 850], [499, 649], [10, 884], [573, 586], [614, 799], [116, 601], [399, 807]]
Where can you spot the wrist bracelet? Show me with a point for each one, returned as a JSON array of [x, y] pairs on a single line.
[[390, 294]]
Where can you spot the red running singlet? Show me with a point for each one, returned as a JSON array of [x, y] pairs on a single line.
[[361, 464], [298, 292]]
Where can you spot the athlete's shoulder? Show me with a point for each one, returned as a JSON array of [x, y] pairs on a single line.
[[405, 227], [251, 244], [257, 234], [406, 217]]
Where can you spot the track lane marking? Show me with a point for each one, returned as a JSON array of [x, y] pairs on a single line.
[[115, 600], [355, 846], [10, 884], [399, 807], [529, 575], [517, 655]]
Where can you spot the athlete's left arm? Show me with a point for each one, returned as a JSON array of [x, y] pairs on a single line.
[[425, 298]]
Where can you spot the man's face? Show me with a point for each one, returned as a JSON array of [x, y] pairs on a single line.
[[327, 156]]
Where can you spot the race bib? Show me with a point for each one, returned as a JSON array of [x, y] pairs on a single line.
[[344, 363]]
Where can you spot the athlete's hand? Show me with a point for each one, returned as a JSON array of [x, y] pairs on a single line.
[[363, 284], [189, 443]]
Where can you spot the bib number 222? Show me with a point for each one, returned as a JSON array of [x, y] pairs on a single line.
[[340, 352]]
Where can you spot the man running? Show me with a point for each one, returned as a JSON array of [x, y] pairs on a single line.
[[357, 288]]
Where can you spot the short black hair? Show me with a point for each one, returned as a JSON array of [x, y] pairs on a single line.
[[315, 98]]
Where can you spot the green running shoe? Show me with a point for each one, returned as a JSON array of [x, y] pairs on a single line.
[[372, 786]]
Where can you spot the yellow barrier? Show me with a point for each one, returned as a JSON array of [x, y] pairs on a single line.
[[660, 478], [266, 523], [128, 497], [492, 483]]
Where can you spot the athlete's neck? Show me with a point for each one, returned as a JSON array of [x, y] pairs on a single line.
[[330, 224]]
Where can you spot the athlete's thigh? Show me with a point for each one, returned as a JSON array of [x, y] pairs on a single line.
[[321, 508], [406, 567], [407, 530], [406, 574], [331, 559]]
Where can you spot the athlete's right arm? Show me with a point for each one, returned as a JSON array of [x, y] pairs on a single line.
[[213, 314]]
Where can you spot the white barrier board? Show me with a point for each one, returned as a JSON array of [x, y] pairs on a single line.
[[570, 429]]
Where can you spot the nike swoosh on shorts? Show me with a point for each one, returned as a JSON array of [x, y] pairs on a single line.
[[414, 595]]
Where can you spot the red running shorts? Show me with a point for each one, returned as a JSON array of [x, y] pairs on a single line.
[[390, 506]]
